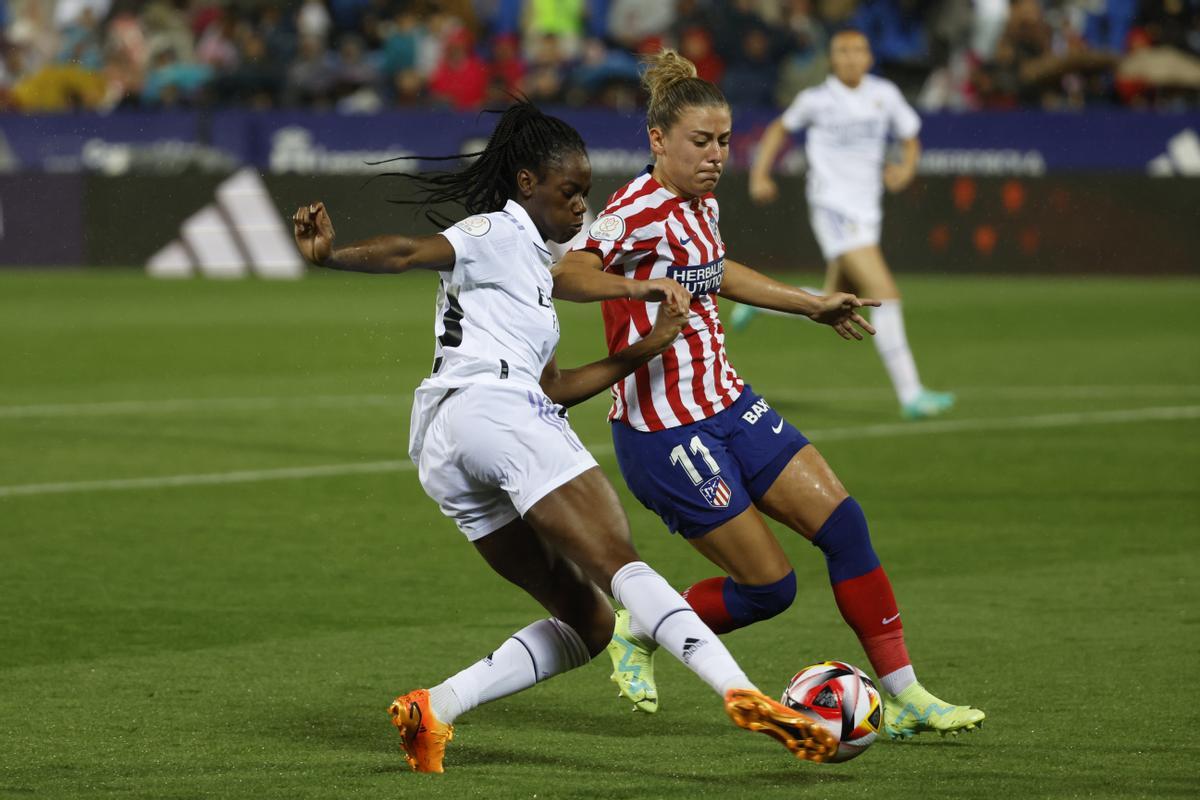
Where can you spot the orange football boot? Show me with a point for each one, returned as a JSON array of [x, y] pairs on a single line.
[[805, 738], [422, 735]]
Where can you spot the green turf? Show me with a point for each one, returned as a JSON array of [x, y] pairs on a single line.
[[242, 640]]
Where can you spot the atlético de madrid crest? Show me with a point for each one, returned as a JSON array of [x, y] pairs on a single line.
[[716, 492]]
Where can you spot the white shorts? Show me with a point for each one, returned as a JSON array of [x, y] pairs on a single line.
[[838, 233], [493, 450]]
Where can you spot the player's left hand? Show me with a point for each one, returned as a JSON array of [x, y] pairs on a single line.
[[897, 177], [840, 312]]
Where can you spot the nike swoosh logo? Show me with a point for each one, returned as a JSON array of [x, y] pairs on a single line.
[[890, 620], [685, 241], [777, 429]]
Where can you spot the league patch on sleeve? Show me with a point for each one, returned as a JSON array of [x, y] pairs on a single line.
[[474, 226], [608, 228]]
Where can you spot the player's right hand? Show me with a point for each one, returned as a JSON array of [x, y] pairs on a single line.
[[763, 189], [663, 290], [313, 231]]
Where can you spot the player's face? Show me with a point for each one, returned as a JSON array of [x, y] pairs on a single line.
[[850, 57], [558, 201], [692, 154]]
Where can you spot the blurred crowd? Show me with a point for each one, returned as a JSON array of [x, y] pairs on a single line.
[[359, 56]]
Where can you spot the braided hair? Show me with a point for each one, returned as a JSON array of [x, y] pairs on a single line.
[[524, 138]]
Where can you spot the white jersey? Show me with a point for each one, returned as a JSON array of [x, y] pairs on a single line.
[[847, 135], [495, 318]]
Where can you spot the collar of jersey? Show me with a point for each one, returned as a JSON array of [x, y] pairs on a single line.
[[667, 193], [525, 223]]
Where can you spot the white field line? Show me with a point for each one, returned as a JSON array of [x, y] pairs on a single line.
[[401, 401], [1066, 420], [193, 404]]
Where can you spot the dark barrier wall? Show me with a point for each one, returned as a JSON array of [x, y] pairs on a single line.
[[1063, 224], [41, 220], [1089, 224]]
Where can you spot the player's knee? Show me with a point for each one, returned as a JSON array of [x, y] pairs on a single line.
[[845, 539], [756, 603]]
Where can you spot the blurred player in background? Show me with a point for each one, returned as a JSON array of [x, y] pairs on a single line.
[[493, 447], [698, 446], [849, 118]]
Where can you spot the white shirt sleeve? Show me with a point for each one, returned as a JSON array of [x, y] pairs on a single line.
[[483, 247], [904, 120], [799, 114]]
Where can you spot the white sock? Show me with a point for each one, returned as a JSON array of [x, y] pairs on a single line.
[[892, 345], [661, 614], [534, 653], [896, 682]]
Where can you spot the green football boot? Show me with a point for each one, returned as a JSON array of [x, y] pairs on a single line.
[[633, 666], [915, 711], [928, 404]]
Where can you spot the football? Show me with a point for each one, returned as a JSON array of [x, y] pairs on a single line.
[[841, 697]]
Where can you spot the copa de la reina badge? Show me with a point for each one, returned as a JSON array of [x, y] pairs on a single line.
[[474, 226], [608, 228]]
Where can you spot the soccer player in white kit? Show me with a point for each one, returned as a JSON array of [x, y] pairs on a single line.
[[849, 118], [493, 447]]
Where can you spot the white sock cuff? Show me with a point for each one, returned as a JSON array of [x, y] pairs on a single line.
[[650, 599], [897, 681], [553, 646]]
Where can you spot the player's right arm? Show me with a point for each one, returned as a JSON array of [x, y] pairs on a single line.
[[763, 188], [578, 277], [313, 232], [568, 387]]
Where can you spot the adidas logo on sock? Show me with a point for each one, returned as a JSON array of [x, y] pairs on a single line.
[[690, 646], [241, 231]]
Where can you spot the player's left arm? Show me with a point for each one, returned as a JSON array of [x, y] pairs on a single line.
[[568, 387], [839, 310], [897, 177]]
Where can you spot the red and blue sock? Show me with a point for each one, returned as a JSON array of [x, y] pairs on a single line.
[[862, 589], [726, 605]]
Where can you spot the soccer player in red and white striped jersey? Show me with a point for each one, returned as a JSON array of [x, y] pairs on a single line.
[[694, 442], [649, 232]]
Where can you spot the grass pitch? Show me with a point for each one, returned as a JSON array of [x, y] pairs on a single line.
[[217, 568]]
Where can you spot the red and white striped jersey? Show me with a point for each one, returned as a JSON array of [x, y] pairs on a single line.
[[648, 232]]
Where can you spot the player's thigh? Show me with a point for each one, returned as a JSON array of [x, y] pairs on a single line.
[[804, 493], [522, 557], [584, 520], [745, 549], [835, 278], [865, 270]]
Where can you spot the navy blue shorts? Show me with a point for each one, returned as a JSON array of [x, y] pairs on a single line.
[[699, 476]]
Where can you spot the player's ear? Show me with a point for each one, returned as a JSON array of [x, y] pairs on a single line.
[[526, 180], [656, 141]]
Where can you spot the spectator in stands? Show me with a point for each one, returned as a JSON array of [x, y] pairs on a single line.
[[461, 79], [507, 66], [313, 20], [356, 77], [750, 79], [172, 82], [696, 45], [561, 19], [604, 76], [546, 78], [639, 26], [256, 81], [311, 76], [278, 34]]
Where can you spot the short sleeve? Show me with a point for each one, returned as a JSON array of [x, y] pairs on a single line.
[[482, 246], [903, 119], [799, 114], [616, 238]]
